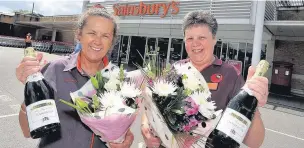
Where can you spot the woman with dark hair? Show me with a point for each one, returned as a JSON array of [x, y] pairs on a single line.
[[199, 29]]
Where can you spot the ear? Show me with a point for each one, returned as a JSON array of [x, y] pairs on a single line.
[[214, 41], [78, 34]]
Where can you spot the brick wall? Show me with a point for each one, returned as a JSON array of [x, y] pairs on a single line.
[[293, 52], [7, 19], [291, 15]]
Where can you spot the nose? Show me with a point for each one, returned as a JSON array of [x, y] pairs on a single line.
[[98, 40], [196, 43]]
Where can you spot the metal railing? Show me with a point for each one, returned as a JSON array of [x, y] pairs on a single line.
[[43, 46]]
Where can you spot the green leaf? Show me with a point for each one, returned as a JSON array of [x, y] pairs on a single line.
[[184, 77], [94, 82], [177, 111], [72, 105], [187, 92], [96, 102], [121, 73], [82, 104]]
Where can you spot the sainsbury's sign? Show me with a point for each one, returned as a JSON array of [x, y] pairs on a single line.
[[146, 9]]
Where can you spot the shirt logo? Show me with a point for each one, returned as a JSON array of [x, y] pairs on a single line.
[[70, 80], [216, 78]]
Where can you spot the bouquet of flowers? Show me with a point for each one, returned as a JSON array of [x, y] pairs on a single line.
[[178, 104], [108, 103]]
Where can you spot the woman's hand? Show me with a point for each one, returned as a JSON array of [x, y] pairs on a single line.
[[258, 86], [150, 140], [127, 142], [28, 66]]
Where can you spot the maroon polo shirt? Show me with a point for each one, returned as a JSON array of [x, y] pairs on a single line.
[[64, 76], [223, 80]]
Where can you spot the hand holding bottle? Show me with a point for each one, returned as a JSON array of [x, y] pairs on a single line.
[[258, 86], [28, 66]]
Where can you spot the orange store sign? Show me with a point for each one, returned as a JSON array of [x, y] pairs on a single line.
[[146, 9]]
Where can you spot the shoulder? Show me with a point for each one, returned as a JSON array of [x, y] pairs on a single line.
[[230, 69], [53, 66]]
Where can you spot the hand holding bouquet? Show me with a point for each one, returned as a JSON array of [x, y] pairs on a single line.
[[108, 103], [178, 105]]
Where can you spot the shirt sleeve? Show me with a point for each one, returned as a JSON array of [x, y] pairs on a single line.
[[239, 83]]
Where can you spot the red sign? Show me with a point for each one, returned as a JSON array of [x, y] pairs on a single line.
[[146, 9], [236, 64]]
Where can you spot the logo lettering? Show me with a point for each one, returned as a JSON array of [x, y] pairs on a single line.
[[146, 9]]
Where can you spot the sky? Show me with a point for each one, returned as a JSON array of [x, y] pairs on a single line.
[[44, 7]]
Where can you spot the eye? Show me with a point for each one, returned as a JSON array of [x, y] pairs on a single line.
[[202, 37], [91, 33], [189, 39], [106, 36]]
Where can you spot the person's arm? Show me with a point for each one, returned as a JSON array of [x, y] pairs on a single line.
[[23, 121], [256, 133]]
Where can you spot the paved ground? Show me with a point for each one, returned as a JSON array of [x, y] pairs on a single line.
[[284, 126]]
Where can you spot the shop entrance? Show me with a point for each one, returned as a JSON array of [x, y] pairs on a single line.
[[137, 49]]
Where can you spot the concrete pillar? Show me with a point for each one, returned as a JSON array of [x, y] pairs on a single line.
[[258, 32], [36, 34], [269, 57], [84, 5], [54, 35]]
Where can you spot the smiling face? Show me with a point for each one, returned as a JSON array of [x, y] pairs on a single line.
[[96, 38], [199, 43]]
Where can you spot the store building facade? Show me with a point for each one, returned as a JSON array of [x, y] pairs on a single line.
[[248, 31], [147, 26]]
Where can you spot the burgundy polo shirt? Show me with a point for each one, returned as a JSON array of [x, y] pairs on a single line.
[[223, 80], [64, 76]]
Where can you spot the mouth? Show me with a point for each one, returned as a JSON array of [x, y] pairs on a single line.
[[197, 50], [96, 49]]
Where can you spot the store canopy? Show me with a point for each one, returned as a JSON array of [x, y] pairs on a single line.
[[64, 25], [286, 28]]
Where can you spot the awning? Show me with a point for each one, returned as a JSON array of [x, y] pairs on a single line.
[[66, 25], [286, 28]]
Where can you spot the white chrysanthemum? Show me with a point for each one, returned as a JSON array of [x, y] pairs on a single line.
[[164, 88], [191, 82], [181, 68], [111, 98], [114, 73], [112, 84], [129, 90], [206, 108]]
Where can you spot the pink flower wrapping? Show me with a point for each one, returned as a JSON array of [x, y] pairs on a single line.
[[110, 128]]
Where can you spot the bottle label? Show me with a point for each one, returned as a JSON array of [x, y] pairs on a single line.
[[42, 113], [35, 77], [234, 125]]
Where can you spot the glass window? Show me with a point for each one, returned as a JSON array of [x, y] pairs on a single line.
[[241, 55], [163, 48], [232, 51], [176, 50], [137, 51], [115, 51], [248, 57], [124, 49], [217, 49]]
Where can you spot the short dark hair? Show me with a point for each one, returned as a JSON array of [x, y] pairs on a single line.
[[200, 17]]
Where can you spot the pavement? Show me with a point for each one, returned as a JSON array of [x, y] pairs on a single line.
[[284, 125]]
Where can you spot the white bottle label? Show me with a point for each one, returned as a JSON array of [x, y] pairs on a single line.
[[42, 113], [234, 125], [35, 77]]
